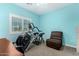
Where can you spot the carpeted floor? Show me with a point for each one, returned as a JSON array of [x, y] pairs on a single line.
[[43, 50]]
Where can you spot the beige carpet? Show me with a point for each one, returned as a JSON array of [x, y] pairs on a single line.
[[43, 50]]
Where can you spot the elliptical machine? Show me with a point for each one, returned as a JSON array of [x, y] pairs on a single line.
[[38, 35], [25, 40]]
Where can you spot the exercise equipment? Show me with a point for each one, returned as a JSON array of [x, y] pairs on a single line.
[[25, 40], [38, 34]]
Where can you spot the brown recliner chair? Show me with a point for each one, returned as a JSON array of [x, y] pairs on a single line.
[[55, 40]]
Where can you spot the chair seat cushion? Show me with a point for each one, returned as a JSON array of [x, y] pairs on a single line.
[[54, 41]]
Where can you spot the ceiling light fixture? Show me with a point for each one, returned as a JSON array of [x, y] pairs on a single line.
[[37, 4]]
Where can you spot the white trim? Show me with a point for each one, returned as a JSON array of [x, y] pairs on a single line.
[[10, 23], [70, 45], [17, 16]]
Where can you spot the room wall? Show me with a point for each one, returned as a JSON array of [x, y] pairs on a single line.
[[64, 19], [5, 10]]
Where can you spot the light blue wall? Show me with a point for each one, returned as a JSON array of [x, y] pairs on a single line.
[[5, 10], [65, 19]]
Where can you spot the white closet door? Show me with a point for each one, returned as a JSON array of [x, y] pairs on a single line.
[[77, 47]]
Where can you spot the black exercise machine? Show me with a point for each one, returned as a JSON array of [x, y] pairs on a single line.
[[25, 40]]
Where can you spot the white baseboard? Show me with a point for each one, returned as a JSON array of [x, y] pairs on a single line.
[[70, 45]]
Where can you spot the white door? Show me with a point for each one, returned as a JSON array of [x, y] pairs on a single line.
[[77, 47]]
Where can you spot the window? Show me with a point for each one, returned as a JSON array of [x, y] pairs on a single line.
[[25, 23], [18, 24]]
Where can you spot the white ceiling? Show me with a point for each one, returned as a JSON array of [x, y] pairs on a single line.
[[41, 8]]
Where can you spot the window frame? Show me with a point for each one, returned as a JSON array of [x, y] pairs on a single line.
[[19, 17]]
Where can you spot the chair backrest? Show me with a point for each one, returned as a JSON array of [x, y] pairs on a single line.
[[56, 35]]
